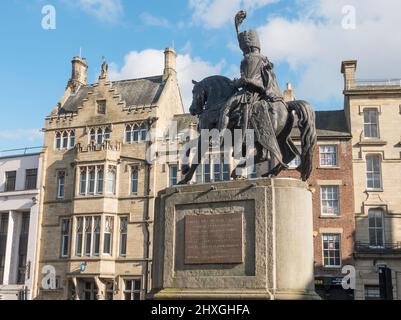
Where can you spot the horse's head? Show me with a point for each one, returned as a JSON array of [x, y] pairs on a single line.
[[199, 97]]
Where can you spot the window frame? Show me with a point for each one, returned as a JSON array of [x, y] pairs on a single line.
[[65, 238], [132, 291], [61, 186], [28, 176], [324, 214], [374, 173], [172, 177], [370, 123], [375, 228], [123, 228], [8, 186], [326, 153], [110, 232], [134, 180], [329, 266]]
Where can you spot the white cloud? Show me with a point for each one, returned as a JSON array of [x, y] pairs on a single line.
[[315, 43], [26, 134], [215, 13], [104, 10], [150, 62], [154, 21]]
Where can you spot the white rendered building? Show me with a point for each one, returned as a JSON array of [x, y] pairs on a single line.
[[19, 216]]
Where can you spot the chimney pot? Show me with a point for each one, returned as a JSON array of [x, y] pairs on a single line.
[[79, 73], [170, 62]]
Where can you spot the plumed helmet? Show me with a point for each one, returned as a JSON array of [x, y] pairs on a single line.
[[248, 39]]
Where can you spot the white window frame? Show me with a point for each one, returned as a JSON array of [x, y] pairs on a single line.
[[371, 123], [64, 140], [325, 214], [110, 232], [133, 291], [374, 173], [328, 153], [329, 266], [123, 227], [375, 228]]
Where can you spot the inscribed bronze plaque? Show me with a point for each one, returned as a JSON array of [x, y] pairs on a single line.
[[213, 239]]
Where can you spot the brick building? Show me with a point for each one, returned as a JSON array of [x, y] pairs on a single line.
[[332, 186]]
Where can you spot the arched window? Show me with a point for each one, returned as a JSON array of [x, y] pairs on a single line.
[[99, 136], [100, 177], [72, 139], [128, 134], [136, 133], [65, 140], [134, 180], [92, 178], [107, 134], [111, 181], [92, 135], [144, 132], [58, 140]]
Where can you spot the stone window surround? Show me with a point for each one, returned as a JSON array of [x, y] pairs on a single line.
[[139, 126], [361, 109], [59, 134], [73, 237], [106, 166], [381, 155], [103, 128]]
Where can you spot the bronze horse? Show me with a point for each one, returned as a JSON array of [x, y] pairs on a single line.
[[209, 98]]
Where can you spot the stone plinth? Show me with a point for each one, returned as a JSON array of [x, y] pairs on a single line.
[[234, 240]]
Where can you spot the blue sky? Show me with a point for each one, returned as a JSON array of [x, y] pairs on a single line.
[[305, 39]]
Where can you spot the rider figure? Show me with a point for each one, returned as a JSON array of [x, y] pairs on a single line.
[[258, 95]]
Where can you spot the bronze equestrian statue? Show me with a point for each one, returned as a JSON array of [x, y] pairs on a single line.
[[254, 102]]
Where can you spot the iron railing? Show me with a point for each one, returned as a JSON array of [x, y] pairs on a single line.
[[20, 151], [385, 248], [375, 83]]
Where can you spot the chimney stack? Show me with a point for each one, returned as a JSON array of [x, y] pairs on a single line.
[[289, 94], [348, 69], [79, 73], [170, 58]]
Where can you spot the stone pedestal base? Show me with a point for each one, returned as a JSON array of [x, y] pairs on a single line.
[[234, 240]]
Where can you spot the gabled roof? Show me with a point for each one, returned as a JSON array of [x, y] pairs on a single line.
[[141, 92]]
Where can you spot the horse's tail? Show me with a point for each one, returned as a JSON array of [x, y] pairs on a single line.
[[307, 127]]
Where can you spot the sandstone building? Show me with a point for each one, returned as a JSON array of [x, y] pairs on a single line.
[[98, 204], [373, 110]]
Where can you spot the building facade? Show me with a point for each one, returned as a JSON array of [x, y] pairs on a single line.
[[97, 222], [331, 183], [19, 217], [373, 110], [332, 187]]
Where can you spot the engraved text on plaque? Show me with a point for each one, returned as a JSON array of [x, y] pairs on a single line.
[[213, 239]]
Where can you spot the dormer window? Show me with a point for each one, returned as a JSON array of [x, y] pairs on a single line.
[[65, 140]]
